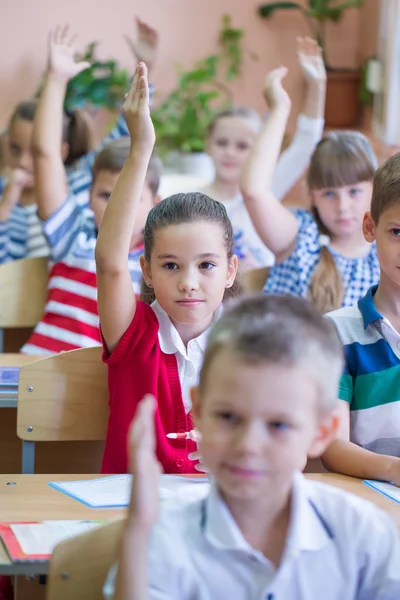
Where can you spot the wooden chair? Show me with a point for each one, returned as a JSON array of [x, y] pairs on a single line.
[[254, 279], [62, 398], [79, 566], [23, 292]]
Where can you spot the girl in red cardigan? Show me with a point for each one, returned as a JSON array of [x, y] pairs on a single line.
[[156, 345]]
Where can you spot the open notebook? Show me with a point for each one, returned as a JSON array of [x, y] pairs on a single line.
[[387, 489], [115, 491], [35, 542]]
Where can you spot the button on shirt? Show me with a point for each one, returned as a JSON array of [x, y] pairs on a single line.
[[339, 547], [190, 359]]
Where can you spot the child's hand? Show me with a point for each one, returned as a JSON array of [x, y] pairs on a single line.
[[144, 465], [62, 54], [196, 437], [137, 112], [145, 49], [274, 93], [310, 58], [19, 179]]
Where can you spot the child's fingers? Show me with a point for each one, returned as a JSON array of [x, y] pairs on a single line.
[[201, 467], [194, 455], [195, 435], [132, 89], [64, 34]]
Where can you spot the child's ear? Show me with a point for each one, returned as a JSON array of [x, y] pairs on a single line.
[[232, 270], [368, 227], [144, 265], [195, 397], [327, 429]]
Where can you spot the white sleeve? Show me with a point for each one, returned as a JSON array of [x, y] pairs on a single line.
[[380, 577], [295, 159]]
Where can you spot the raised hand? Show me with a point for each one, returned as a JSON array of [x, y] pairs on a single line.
[[61, 60], [144, 465], [137, 112], [274, 92], [145, 48], [310, 58]]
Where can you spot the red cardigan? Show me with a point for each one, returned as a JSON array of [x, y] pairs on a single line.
[[135, 368]]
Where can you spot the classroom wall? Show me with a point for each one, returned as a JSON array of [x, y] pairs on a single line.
[[188, 30]]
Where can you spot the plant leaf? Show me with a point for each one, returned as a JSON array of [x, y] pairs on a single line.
[[267, 10]]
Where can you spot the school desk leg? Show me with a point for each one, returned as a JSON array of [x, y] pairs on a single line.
[[28, 458]]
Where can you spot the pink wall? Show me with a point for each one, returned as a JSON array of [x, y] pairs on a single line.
[[188, 30]]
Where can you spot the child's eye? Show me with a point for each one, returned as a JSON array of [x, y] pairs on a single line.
[[15, 150], [105, 196], [170, 266], [329, 194], [279, 426], [206, 265], [228, 417], [355, 191], [396, 232], [221, 142], [243, 146]]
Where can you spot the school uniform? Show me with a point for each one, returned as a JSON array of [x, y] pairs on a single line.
[[71, 318], [292, 163], [370, 382], [152, 359], [339, 547]]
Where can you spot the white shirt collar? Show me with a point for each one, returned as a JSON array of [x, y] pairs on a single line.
[[308, 530], [170, 340]]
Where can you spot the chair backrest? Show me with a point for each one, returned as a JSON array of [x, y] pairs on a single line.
[[23, 292], [79, 566], [63, 397], [254, 279]]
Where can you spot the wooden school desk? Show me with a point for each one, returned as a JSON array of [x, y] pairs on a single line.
[[32, 499]]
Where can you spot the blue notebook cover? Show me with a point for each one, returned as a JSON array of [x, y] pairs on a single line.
[[387, 489], [9, 377]]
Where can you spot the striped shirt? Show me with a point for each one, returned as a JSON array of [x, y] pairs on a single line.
[[371, 380], [22, 235], [70, 317]]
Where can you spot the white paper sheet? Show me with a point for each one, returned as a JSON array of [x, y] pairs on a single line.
[[42, 538], [387, 489], [114, 491]]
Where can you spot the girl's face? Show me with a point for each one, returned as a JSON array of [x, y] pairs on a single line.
[[229, 146], [342, 209], [189, 272], [20, 145]]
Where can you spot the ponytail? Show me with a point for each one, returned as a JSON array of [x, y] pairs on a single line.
[[326, 288], [77, 132]]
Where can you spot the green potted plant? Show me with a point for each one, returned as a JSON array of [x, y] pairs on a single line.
[[343, 100], [181, 120]]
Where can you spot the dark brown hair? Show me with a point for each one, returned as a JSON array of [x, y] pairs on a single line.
[[340, 159], [113, 157], [281, 330], [386, 187], [76, 129], [243, 112], [187, 208]]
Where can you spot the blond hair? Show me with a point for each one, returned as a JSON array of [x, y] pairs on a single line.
[[340, 159], [386, 187], [282, 330], [242, 112]]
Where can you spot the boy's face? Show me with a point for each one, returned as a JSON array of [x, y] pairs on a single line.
[[258, 424], [387, 236], [20, 146], [102, 188]]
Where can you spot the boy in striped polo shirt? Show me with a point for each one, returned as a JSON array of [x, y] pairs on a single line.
[[70, 318], [368, 444]]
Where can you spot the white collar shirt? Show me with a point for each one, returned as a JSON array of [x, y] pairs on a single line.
[[339, 547], [189, 360]]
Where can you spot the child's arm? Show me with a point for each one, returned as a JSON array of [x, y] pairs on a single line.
[[132, 579], [348, 458], [275, 224], [51, 181], [17, 180], [296, 158], [116, 298]]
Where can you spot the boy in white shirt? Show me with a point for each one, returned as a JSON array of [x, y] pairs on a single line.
[[264, 531]]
